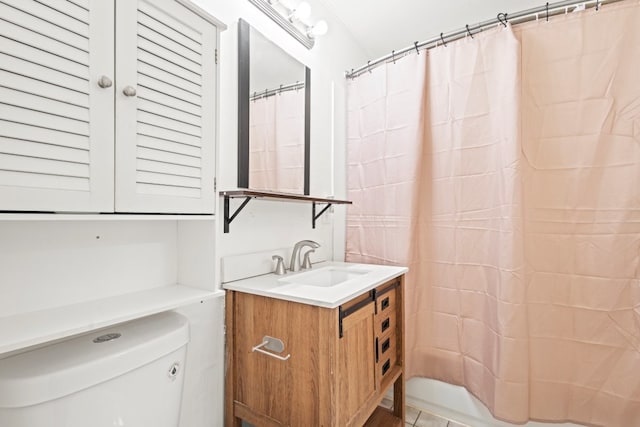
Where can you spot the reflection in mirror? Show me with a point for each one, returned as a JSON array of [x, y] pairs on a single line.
[[273, 121]]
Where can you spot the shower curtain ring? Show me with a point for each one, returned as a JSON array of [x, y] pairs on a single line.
[[597, 5], [500, 16], [442, 38], [469, 32], [415, 44], [393, 56], [369, 66]]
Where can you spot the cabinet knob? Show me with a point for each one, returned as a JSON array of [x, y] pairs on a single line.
[[104, 82], [129, 91]]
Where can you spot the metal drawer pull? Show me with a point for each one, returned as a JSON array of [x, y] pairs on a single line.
[[273, 344], [385, 303], [386, 366], [385, 345], [385, 324]]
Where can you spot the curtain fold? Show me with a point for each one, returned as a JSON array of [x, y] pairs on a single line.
[[581, 142], [476, 322], [504, 170]]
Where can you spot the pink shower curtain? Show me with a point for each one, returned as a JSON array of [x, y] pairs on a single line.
[[522, 223], [276, 135]]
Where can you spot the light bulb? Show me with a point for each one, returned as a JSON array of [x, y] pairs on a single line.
[[319, 29], [302, 11]]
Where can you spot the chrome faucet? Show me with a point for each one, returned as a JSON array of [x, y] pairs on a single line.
[[294, 265]]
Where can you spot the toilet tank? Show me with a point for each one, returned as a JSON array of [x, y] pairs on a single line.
[[127, 375]]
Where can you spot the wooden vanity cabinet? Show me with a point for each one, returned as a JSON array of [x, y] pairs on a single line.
[[342, 361]]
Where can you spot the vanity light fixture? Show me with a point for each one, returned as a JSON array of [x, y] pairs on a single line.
[[320, 28], [293, 19], [300, 12]]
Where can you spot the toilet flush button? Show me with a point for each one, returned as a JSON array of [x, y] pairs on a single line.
[[173, 370], [107, 337]]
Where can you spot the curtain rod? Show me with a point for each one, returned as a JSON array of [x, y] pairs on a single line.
[[269, 92], [542, 12]]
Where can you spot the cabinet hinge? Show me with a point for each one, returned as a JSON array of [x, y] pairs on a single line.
[[215, 185], [216, 55]]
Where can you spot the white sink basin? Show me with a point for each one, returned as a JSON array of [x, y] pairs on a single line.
[[324, 277]]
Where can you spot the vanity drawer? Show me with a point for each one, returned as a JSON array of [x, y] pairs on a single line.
[[385, 323], [386, 302], [386, 347], [388, 361]]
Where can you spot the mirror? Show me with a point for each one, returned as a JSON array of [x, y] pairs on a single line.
[[273, 116]]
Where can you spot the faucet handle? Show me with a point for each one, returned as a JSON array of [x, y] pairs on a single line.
[[306, 262], [279, 270]]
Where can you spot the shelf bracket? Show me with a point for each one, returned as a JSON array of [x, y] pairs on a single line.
[[271, 195], [313, 213], [228, 219]]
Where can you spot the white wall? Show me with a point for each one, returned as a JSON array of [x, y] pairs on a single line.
[[383, 26], [265, 225], [45, 264]]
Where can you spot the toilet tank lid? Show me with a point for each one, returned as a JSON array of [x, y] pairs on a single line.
[[63, 368]]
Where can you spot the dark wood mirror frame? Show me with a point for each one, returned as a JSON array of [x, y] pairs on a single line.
[[244, 63]]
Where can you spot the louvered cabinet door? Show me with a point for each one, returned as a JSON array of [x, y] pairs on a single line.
[[56, 122], [165, 108]]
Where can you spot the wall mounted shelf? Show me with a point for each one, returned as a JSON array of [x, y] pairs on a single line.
[[247, 195], [27, 329], [67, 216]]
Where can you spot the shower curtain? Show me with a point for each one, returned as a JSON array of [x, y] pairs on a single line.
[[504, 170], [276, 135]]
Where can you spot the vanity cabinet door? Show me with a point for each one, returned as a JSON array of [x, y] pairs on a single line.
[[56, 121], [357, 382], [165, 108]]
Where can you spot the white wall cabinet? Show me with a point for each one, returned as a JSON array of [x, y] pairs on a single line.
[[107, 106]]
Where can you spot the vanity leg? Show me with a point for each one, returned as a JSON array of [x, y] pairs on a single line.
[[398, 398]]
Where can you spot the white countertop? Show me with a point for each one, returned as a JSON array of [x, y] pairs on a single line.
[[297, 286]]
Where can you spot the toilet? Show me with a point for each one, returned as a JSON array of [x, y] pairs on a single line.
[[127, 375]]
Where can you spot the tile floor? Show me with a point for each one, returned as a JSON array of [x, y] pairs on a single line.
[[417, 418], [414, 418]]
